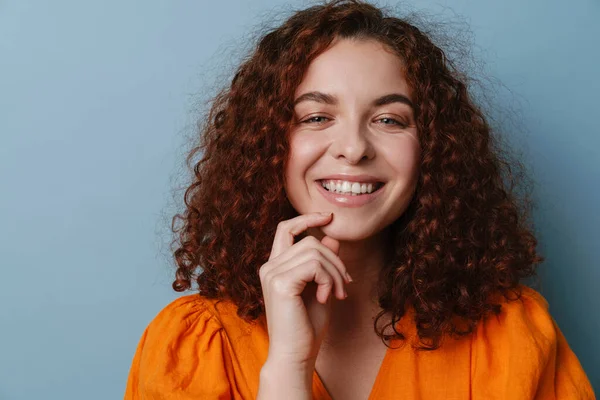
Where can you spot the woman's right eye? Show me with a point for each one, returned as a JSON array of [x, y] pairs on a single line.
[[312, 119]]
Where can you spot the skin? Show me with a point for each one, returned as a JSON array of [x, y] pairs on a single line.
[[354, 137]]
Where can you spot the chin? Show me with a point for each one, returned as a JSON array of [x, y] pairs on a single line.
[[343, 232]]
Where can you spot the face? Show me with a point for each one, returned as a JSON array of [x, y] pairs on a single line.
[[354, 130]]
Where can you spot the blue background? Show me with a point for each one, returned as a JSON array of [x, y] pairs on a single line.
[[97, 100]]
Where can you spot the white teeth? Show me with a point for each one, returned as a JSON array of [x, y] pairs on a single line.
[[346, 187]]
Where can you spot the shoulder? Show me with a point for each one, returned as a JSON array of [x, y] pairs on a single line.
[[525, 314], [185, 312], [522, 353], [524, 326], [190, 319], [183, 343], [193, 316]]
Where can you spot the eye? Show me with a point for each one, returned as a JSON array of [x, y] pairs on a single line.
[[390, 121], [394, 122], [312, 119]]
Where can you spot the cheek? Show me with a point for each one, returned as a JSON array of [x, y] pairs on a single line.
[[304, 152], [304, 145], [404, 157], [294, 186]]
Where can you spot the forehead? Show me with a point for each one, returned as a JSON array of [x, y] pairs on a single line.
[[355, 67]]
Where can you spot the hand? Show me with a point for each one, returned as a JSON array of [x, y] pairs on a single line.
[[293, 274]]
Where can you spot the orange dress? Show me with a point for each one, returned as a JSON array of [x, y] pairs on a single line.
[[198, 348]]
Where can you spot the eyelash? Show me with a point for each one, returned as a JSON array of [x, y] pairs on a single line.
[[396, 122]]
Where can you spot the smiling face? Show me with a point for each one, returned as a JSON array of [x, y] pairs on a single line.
[[354, 121]]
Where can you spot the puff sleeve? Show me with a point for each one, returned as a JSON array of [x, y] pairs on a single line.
[[182, 354], [522, 355]]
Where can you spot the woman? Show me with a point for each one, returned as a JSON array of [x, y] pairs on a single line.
[[354, 234]]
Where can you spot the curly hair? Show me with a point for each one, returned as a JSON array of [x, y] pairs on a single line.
[[464, 237]]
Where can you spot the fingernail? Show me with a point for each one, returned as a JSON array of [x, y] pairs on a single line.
[[326, 214], [345, 293], [349, 277]]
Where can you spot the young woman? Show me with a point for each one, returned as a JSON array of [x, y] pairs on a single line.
[[351, 235]]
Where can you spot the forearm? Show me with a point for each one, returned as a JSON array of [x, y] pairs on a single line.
[[280, 381]]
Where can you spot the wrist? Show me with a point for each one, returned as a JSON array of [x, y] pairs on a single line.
[[302, 372], [278, 362]]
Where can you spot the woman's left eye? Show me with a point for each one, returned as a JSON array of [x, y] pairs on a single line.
[[394, 121]]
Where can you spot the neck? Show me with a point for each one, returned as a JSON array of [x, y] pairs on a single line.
[[352, 318]]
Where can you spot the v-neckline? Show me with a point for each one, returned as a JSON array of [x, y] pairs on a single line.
[[374, 389]]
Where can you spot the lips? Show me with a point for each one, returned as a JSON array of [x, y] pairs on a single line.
[[376, 185], [348, 200], [362, 178]]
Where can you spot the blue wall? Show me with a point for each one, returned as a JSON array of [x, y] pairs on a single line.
[[96, 99]]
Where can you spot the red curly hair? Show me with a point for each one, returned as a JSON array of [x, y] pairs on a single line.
[[464, 236]]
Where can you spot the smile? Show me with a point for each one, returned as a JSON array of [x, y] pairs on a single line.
[[351, 199], [350, 187]]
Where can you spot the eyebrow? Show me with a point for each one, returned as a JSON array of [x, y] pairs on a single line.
[[325, 98]]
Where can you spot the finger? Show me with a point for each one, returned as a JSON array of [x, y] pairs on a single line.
[[306, 256], [293, 281], [331, 244], [286, 230], [312, 242], [334, 246]]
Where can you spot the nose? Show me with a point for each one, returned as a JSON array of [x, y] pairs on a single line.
[[353, 144]]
